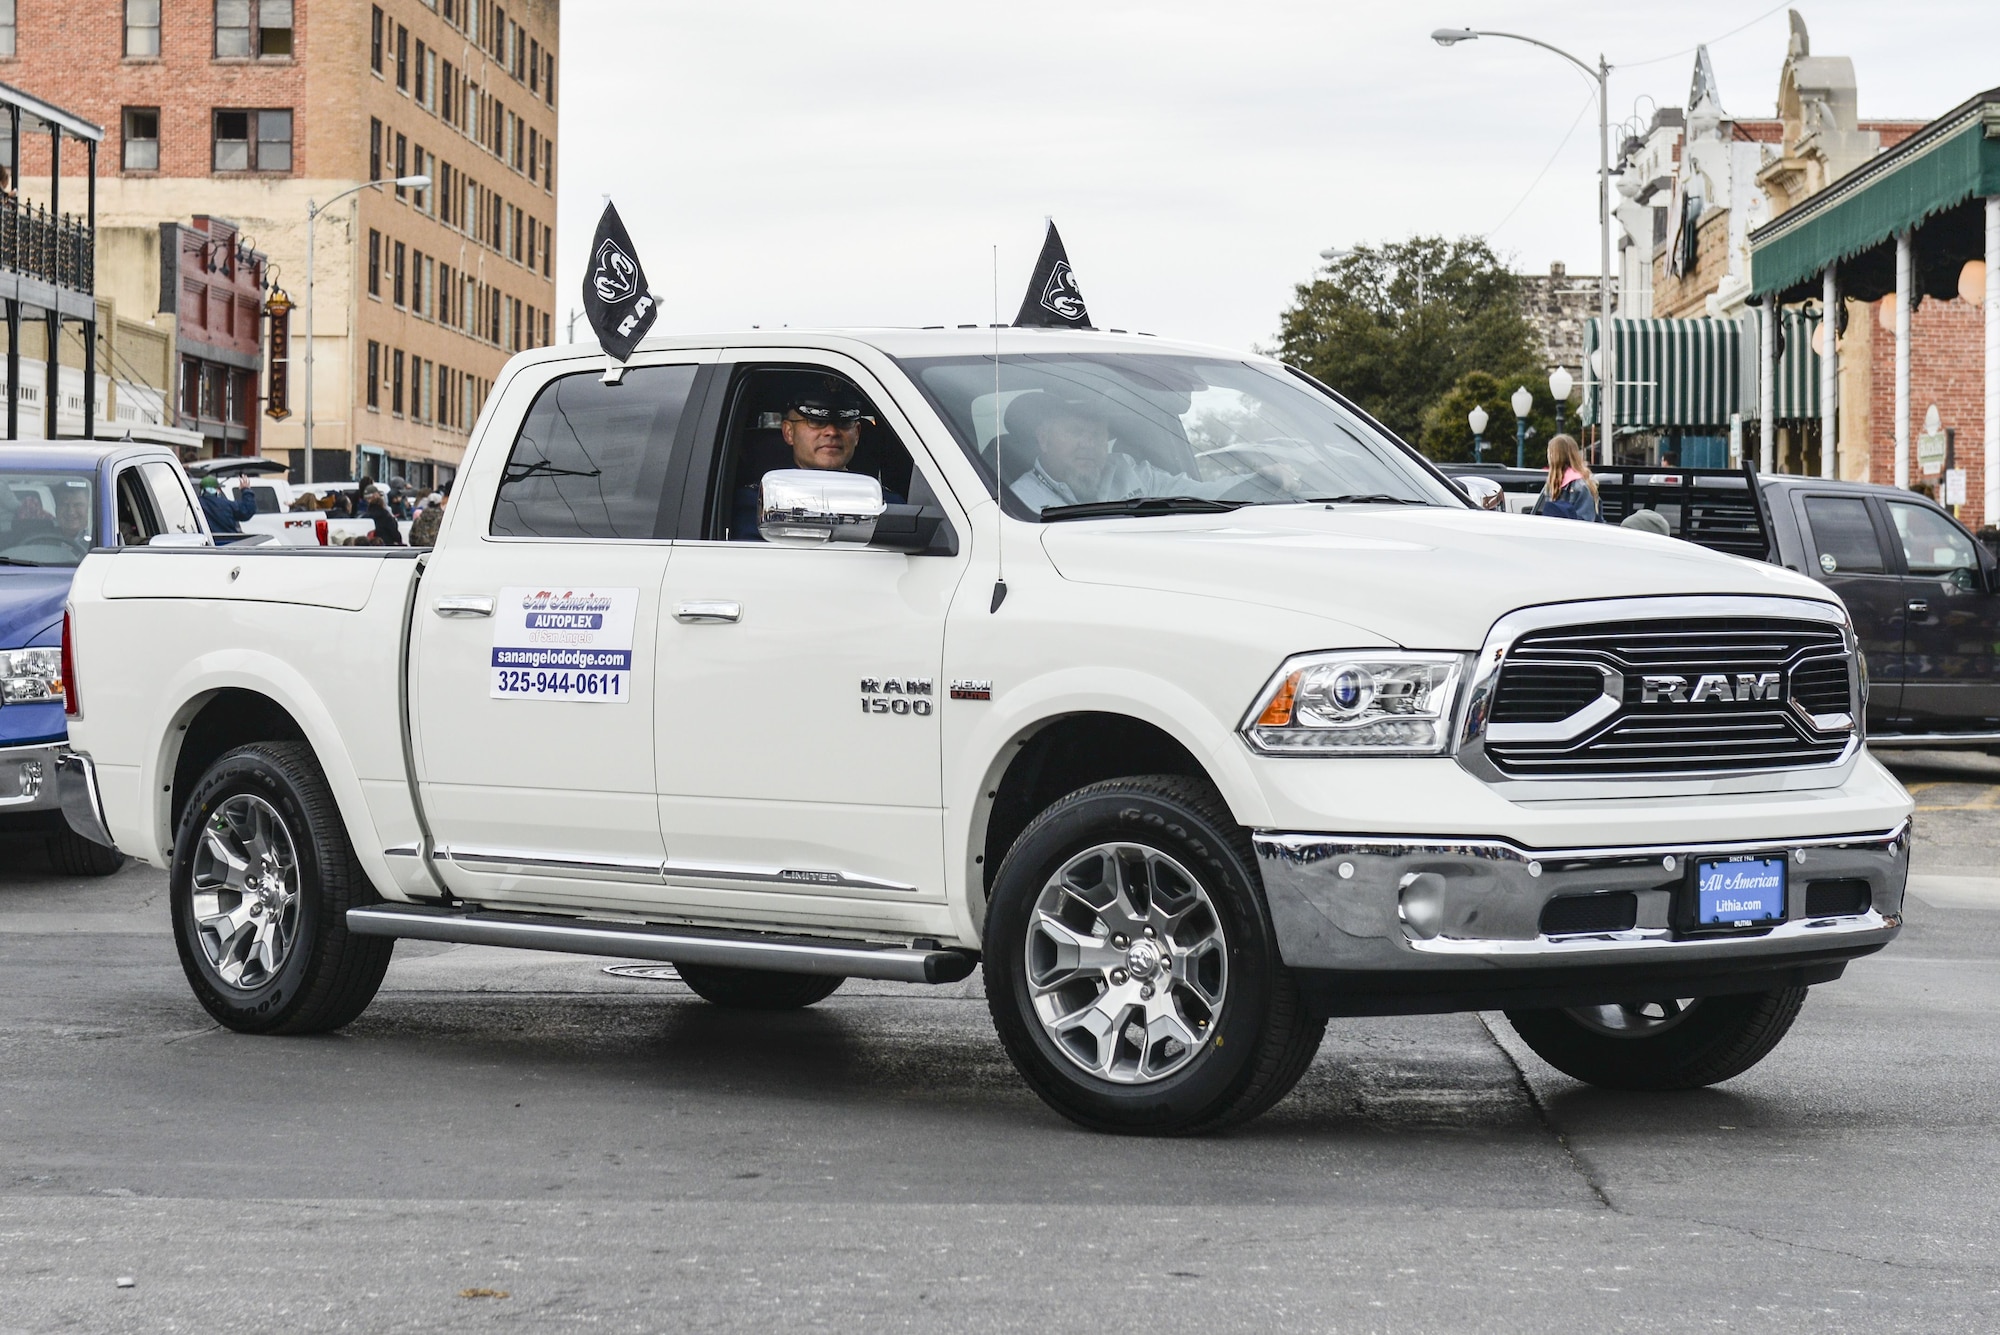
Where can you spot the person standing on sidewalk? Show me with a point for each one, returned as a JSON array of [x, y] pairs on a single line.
[[1571, 491]]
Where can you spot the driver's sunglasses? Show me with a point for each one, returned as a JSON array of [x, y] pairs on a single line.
[[839, 422]]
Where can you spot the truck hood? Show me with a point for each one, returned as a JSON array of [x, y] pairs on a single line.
[[1425, 578], [31, 602]]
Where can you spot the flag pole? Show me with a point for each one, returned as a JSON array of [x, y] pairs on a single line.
[[999, 468]]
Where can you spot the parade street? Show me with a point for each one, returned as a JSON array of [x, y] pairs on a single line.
[[521, 1141]]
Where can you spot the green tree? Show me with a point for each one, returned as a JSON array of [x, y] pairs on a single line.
[[1446, 437], [1396, 327]]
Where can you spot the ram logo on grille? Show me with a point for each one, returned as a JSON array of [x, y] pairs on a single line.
[[1710, 686]]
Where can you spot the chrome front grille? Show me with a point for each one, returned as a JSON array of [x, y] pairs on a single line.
[[1663, 696]]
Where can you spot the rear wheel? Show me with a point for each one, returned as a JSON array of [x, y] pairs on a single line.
[[73, 855], [1661, 1045], [1131, 967], [756, 989], [262, 878]]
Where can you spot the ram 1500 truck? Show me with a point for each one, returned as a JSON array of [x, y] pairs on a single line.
[[1159, 683]]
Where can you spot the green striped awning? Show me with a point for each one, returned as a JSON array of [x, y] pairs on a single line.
[[1672, 372], [1798, 372], [1919, 184]]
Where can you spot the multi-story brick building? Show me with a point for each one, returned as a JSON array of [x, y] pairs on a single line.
[[250, 110]]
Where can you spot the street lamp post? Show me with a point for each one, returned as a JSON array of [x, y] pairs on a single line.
[[1476, 419], [312, 216], [1523, 403], [1605, 396], [1560, 385]]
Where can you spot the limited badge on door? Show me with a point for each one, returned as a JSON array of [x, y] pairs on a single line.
[[564, 644]]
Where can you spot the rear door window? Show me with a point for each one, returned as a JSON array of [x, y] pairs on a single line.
[[1843, 536], [599, 461], [136, 521], [170, 499]]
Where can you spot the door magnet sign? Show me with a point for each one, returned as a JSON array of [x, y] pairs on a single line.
[[555, 643]]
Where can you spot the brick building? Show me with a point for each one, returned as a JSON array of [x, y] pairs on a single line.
[[252, 109], [212, 284], [1558, 304]]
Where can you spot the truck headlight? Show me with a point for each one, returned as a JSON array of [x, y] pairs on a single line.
[[1358, 703], [30, 676]]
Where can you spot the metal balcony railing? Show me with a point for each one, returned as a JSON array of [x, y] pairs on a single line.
[[55, 248]]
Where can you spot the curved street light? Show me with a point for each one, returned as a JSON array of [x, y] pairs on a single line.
[[1602, 73], [313, 211]]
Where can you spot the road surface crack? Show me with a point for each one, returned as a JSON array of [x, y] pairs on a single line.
[[1576, 1163]]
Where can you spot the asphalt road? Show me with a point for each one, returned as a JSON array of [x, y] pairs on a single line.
[[612, 1154]]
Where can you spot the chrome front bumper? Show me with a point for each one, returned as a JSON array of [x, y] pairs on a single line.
[[76, 792], [1429, 920], [28, 778]]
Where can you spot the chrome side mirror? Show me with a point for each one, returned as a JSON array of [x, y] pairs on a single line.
[[809, 507], [1484, 491]]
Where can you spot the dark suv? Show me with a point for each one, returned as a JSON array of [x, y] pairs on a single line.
[[1923, 592]]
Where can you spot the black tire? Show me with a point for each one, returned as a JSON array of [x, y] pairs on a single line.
[[329, 975], [756, 989], [1712, 1040], [73, 855], [1260, 1041]]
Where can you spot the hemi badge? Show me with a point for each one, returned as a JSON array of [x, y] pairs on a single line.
[[972, 690]]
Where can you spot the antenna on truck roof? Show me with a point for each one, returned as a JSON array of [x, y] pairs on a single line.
[[999, 471]]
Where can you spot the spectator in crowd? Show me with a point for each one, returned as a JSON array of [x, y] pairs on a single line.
[[225, 515], [424, 532], [376, 507], [1571, 491], [1648, 521]]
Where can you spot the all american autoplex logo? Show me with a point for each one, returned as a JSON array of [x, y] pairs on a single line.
[[543, 610]]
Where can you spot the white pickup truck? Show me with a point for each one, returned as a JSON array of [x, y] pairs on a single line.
[[1234, 716]]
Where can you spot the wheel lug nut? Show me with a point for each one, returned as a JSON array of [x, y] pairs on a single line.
[[1120, 942], [1151, 932], [1146, 992], [1118, 977]]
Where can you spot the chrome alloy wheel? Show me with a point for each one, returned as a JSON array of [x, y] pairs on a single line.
[[1643, 1020], [1127, 963], [246, 892]]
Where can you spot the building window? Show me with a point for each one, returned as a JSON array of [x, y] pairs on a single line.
[[142, 138], [375, 41], [269, 149], [396, 382], [549, 77], [445, 89], [374, 376], [396, 274], [374, 263], [142, 28], [403, 165], [374, 149], [402, 58], [422, 200], [6, 28], [534, 66], [245, 28], [417, 282]]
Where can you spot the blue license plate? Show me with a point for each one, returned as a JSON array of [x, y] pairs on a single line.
[[1741, 890]]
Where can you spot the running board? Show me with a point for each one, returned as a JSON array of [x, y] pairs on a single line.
[[676, 945]]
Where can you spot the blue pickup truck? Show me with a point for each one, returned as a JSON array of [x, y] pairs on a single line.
[[57, 502]]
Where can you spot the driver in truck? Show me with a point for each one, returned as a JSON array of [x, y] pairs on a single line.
[[821, 426]]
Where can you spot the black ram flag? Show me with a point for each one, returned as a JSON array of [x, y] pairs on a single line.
[[1054, 300], [615, 297]]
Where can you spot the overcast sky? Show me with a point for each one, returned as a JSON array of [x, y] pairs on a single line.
[[812, 163]]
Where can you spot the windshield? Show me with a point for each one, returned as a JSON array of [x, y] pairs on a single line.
[[1076, 435], [46, 518]]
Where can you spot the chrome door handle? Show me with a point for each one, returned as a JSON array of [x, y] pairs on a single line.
[[1919, 605], [701, 610], [463, 605]]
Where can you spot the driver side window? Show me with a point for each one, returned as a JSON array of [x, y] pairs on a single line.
[[753, 443], [1933, 546]]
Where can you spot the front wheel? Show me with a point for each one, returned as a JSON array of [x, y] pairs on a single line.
[[262, 878], [73, 855], [756, 989], [1131, 966], [1661, 1045]]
